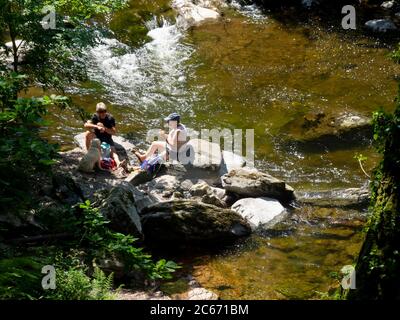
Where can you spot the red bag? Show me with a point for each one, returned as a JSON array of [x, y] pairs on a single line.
[[108, 164]]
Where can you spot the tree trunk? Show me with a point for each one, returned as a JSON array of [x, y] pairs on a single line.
[[378, 265], [14, 49]]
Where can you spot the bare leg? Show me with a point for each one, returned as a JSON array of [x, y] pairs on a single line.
[[114, 155], [89, 136], [155, 146]]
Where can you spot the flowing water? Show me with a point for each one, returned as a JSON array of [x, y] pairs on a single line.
[[249, 70]]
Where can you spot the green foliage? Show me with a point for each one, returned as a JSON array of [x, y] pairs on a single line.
[[23, 151], [361, 159], [75, 284], [53, 56], [395, 55], [379, 259], [20, 278], [79, 10], [103, 241]]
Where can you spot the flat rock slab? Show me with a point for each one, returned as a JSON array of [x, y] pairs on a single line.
[[88, 183], [253, 183], [258, 211], [207, 155]]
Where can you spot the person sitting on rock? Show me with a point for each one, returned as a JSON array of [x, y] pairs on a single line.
[[172, 143], [102, 126]]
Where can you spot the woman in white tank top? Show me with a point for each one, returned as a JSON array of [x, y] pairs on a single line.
[[173, 143]]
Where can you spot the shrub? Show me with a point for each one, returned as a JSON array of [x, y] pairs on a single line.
[[103, 241], [75, 284]]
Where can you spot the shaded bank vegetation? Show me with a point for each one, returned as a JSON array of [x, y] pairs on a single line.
[[378, 265], [72, 237]]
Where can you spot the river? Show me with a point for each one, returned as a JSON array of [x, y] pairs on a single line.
[[250, 70]]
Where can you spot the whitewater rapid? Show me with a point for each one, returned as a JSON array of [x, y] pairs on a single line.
[[152, 74]]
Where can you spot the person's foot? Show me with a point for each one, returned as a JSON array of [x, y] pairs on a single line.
[[139, 156], [123, 164]]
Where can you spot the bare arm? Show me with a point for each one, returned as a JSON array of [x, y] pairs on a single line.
[[90, 125], [111, 131]]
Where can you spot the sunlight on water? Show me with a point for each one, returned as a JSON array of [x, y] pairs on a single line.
[[250, 11]]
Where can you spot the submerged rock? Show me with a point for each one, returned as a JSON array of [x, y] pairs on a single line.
[[258, 211], [381, 25], [252, 183], [351, 197], [327, 129], [201, 294], [188, 221]]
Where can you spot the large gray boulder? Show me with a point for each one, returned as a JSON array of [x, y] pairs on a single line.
[[253, 183], [190, 14], [231, 161], [189, 221], [258, 211], [164, 187], [208, 194], [120, 209]]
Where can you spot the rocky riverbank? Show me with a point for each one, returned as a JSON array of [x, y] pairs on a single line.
[[184, 205], [198, 203]]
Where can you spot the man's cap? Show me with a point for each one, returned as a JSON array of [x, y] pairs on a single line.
[[173, 116], [101, 107]]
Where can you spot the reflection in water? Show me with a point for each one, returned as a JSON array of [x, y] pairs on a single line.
[[295, 260]]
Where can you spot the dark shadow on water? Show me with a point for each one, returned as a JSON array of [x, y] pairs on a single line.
[[328, 16]]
